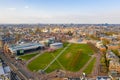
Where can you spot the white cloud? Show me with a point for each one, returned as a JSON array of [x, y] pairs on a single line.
[[26, 7], [12, 9]]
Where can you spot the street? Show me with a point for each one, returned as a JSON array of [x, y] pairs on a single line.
[[16, 68]]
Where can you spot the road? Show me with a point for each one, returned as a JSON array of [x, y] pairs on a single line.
[[96, 67], [15, 68], [14, 76]]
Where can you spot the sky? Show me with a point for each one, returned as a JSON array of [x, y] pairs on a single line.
[[60, 11]]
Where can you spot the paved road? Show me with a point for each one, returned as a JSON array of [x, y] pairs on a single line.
[[14, 76], [57, 57], [96, 67], [15, 68]]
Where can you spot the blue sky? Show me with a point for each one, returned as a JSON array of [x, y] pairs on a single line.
[[59, 11]]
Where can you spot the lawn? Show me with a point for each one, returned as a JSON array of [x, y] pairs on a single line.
[[28, 56], [90, 67], [72, 59]]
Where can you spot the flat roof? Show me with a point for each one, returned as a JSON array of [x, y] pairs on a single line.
[[1, 69], [103, 78], [7, 69], [57, 43], [25, 46]]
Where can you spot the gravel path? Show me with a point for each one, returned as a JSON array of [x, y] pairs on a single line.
[[57, 57], [34, 57]]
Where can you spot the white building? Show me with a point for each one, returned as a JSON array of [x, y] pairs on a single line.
[[56, 45]]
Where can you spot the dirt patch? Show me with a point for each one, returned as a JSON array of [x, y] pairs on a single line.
[[68, 55], [75, 59]]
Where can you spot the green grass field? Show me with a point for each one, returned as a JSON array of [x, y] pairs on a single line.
[[90, 67], [72, 59], [28, 56]]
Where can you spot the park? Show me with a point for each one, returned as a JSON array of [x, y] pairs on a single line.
[[73, 58]]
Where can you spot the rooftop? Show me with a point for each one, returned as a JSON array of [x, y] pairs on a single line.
[[1, 69], [25, 46]]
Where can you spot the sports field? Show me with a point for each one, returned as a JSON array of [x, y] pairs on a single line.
[[73, 58]]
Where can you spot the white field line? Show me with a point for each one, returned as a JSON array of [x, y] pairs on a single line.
[[57, 57]]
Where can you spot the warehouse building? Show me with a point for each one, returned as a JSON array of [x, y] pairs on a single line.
[[20, 49]]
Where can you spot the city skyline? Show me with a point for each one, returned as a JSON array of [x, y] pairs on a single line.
[[62, 11]]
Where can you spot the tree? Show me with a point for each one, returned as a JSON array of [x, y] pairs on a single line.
[[116, 52], [37, 30], [102, 59], [105, 41], [93, 37], [70, 33], [17, 37], [119, 45]]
